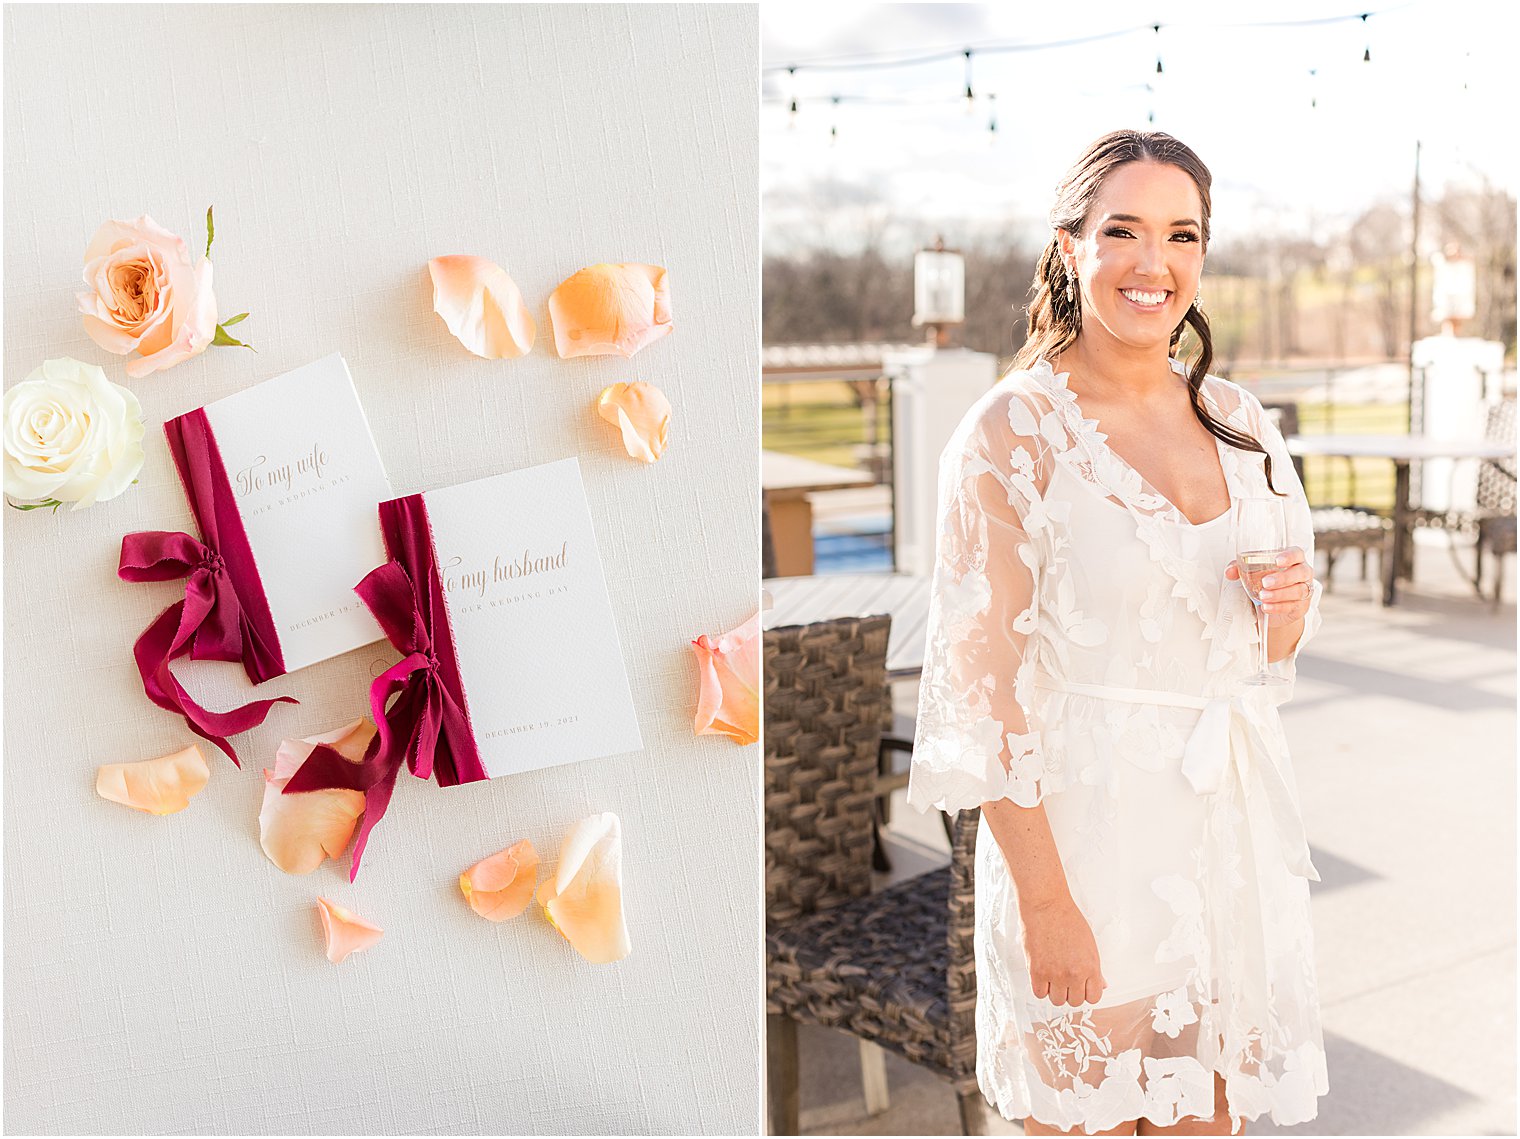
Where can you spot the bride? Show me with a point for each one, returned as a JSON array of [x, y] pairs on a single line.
[[1144, 955]]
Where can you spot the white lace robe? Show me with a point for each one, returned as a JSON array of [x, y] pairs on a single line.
[[1084, 651]]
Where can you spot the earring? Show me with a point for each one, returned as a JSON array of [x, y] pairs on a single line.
[[1198, 299], [1069, 296]]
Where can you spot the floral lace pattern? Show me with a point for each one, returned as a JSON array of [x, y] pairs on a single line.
[[1058, 567]]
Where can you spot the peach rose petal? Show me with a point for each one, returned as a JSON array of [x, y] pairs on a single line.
[[608, 310], [642, 413], [500, 887], [584, 900], [345, 930], [159, 786], [300, 831], [482, 306], [728, 702]]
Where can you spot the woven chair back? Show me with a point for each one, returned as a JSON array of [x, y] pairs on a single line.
[[825, 701], [961, 976]]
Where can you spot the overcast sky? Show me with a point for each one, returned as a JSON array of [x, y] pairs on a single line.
[[1240, 97]]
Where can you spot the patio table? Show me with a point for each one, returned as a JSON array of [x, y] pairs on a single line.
[[1400, 450]]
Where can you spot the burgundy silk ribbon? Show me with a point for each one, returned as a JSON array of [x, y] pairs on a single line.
[[427, 726], [224, 614]]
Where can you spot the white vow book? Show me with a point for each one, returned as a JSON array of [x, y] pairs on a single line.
[[534, 632], [307, 480]]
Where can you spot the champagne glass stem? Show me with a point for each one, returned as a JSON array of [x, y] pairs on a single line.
[[1261, 632]]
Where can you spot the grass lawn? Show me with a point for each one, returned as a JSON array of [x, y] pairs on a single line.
[[821, 420]]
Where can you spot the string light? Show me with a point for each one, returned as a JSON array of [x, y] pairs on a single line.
[[896, 59], [862, 61], [992, 120]]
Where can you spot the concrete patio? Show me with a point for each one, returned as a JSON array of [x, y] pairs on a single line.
[[1403, 735]]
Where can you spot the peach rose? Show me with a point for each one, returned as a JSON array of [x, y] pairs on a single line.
[[146, 295]]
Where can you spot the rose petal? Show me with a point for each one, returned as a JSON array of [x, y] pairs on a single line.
[[482, 306], [728, 702], [500, 887], [346, 931], [300, 831], [641, 411], [159, 786], [609, 310], [584, 900]]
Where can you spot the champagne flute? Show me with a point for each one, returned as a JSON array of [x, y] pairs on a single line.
[[1261, 534]]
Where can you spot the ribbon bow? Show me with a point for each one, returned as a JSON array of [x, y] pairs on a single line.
[[215, 621], [426, 726], [208, 624], [1227, 734]]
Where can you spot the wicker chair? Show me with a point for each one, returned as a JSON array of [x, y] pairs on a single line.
[[1338, 528], [894, 968]]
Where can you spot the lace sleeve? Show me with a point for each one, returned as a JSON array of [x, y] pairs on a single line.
[[974, 741]]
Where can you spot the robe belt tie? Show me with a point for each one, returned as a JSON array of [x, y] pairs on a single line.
[[1228, 734]]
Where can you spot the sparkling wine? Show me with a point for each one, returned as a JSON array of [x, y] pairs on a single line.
[[1255, 565], [1261, 534]]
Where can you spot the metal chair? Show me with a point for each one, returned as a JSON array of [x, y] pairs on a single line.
[[1338, 527], [1496, 500], [893, 968], [1491, 521]]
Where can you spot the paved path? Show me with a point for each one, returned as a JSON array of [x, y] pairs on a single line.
[[1403, 735]]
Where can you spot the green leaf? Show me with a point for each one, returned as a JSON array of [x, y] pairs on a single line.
[[222, 338], [231, 320], [53, 502], [210, 232]]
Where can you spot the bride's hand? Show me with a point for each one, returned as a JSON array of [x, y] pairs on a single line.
[[1287, 589], [1062, 954]]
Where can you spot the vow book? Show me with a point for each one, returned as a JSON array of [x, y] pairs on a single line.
[[306, 478], [532, 625]]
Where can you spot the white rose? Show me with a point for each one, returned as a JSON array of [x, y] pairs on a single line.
[[71, 435]]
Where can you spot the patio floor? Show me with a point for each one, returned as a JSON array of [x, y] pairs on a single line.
[[1403, 734]]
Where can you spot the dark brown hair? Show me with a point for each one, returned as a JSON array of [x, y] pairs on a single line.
[[1054, 321]]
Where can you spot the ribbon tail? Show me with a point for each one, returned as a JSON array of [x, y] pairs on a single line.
[[450, 770], [159, 644], [326, 769], [220, 632], [421, 754], [374, 775], [376, 799]]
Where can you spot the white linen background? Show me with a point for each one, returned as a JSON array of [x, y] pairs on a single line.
[[160, 974]]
